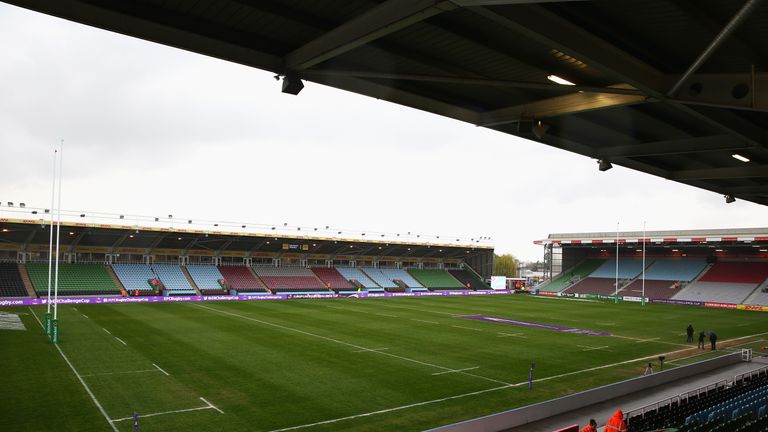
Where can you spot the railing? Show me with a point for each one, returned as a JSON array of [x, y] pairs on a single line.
[[677, 398]]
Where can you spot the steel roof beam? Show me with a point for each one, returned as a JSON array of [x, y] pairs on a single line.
[[558, 106], [747, 171], [384, 19], [674, 147]]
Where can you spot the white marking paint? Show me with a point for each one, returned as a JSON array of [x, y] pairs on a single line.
[[80, 378], [456, 370], [119, 373], [468, 328], [342, 342], [520, 335], [84, 316], [591, 348], [161, 369], [211, 405], [121, 341], [208, 405], [425, 321], [106, 330], [386, 315], [370, 350]]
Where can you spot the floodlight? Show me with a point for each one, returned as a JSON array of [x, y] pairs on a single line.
[[604, 165], [729, 199]]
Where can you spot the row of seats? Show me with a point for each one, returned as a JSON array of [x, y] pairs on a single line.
[[11, 284], [136, 277], [685, 414], [74, 279]]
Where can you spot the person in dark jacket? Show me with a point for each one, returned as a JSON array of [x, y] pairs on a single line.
[[689, 332], [713, 341], [701, 340]]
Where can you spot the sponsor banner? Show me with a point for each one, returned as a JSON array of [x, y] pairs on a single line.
[[752, 307], [564, 294], [720, 305], [549, 293], [219, 298], [676, 302], [632, 299]]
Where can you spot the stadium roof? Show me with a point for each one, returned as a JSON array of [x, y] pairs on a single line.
[[731, 235], [147, 240], [670, 88]]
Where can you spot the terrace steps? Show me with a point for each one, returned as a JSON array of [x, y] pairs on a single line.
[[757, 292], [27, 282], [190, 280], [253, 272], [113, 275]]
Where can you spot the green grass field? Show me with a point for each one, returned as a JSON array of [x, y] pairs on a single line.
[[328, 365]]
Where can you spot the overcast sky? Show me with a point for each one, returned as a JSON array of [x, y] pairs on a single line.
[[155, 130]]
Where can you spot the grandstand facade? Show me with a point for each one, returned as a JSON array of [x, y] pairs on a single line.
[[104, 260], [726, 267]]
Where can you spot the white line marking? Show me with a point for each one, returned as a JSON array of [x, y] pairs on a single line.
[[654, 340], [370, 350], [161, 369], [74, 308], [392, 409], [481, 391], [456, 370], [119, 373], [342, 342], [87, 389], [211, 405], [591, 348], [468, 328], [106, 330], [425, 321], [520, 335], [386, 315], [86, 316], [121, 341]]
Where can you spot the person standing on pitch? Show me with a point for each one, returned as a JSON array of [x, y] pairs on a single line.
[[701, 340], [713, 341], [591, 427], [689, 332]]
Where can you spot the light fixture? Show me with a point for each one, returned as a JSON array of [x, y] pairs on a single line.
[[763, 250], [122, 217], [157, 219], [675, 250], [170, 216], [22, 205], [189, 221], [604, 165], [82, 215], [71, 233], [539, 129], [10, 204], [5, 229], [179, 238], [292, 84], [740, 157], [729, 199], [557, 79], [718, 250], [131, 236]]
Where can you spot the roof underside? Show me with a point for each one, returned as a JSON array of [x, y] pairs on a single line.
[[639, 102]]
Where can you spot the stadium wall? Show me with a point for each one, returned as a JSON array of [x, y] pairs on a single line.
[[531, 413]]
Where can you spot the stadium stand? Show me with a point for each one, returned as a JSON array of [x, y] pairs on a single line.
[[590, 285], [377, 276], [740, 406], [402, 275], [241, 279], [292, 279], [74, 279], [566, 279], [662, 289], [173, 279], [737, 272], [726, 282], [721, 292], [354, 275], [11, 284], [332, 278], [467, 277], [134, 276], [436, 279], [675, 270], [206, 278], [629, 268]]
